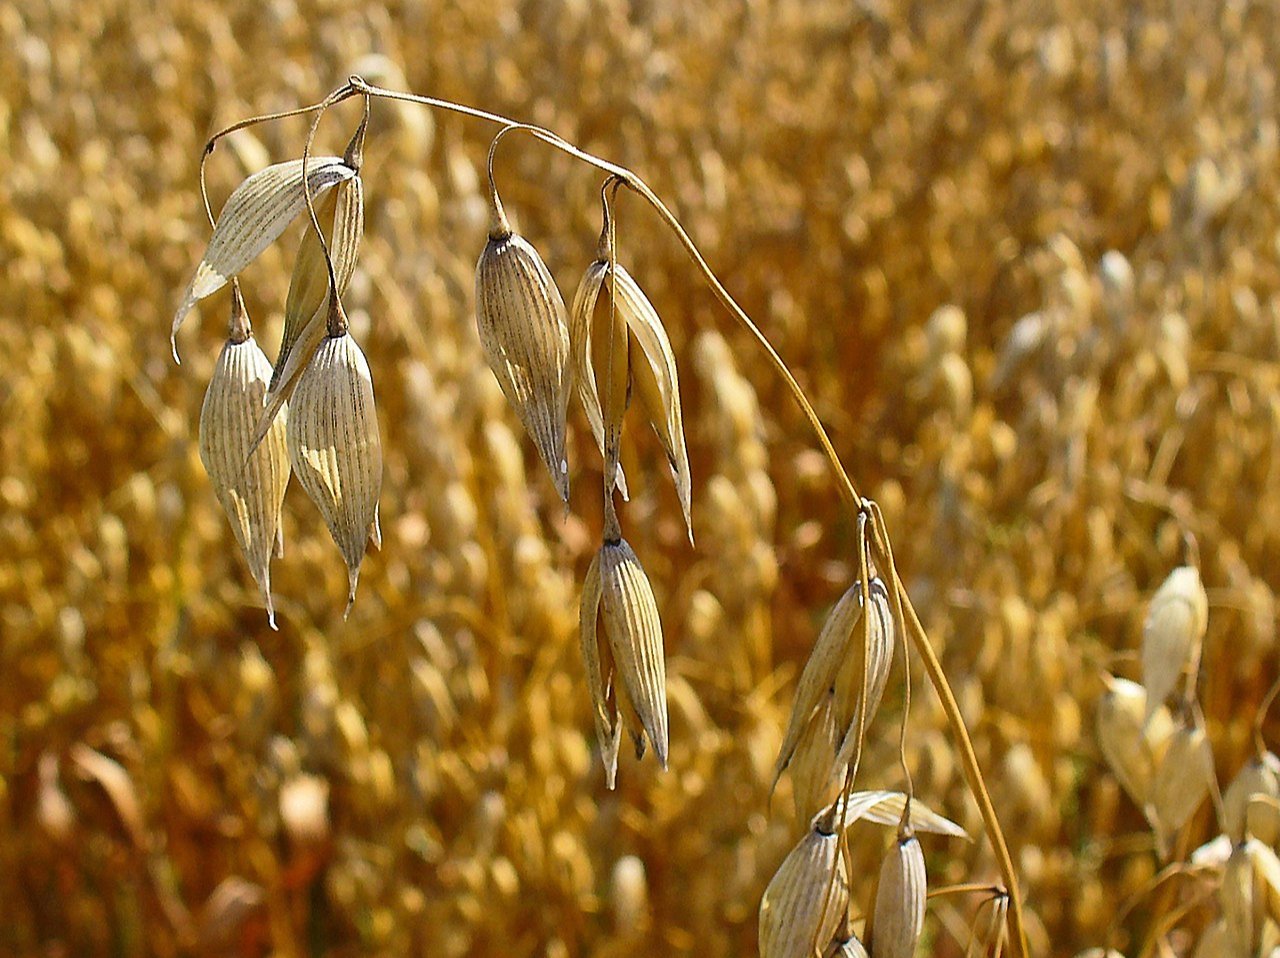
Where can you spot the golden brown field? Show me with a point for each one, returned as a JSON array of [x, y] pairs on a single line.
[[1024, 258]]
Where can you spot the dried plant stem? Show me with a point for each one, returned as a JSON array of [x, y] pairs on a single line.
[[932, 665]]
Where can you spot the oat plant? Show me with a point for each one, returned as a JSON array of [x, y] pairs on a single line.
[[610, 347]]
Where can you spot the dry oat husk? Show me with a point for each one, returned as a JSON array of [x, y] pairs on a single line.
[[256, 212], [306, 308], [1243, 903], [620, 348], [900, 900], [1260, 776], [631, 657], [886, 808], [795, 911], [1174, 627], [1183, 779], [336, 450], [524, 332], [1131, 742], [835, 669], [249, 484]]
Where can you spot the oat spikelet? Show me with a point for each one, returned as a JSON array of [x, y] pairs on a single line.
[[250, 486], [306, 308], [1131, 744], [1243, 903], [795, 912], [1182, 781], [335, 447], [1175, 625], [597, 658], [651, 365], [900, 901], [1259, 777], [631, 659], [254, 215], [524, 331], [833, 675]]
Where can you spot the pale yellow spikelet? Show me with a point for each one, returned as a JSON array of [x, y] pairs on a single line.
[[795, 912], [634, 632], [887, 808], [1260, 777], [1243, 906], [335, 447], [835, 669], [650, 360], [598, 661], [900, 900], [524, 331], [1183, 779], [306, 306], [815, 779], [1175, 625], [250, 486], [254, 215], [1131, 744]]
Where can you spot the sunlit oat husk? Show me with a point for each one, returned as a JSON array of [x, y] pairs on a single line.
[[1131, 745], [835, 668], [305, 306], [651, 362], [1182, 781], [254, 215], [305, 309], [1266, 879], [900, 901], [335, 447], [885, 808], [250, 487], [1259, 777], [1175, 624], [225, 912], [525, 335], [600, 345], [795, 912], [815, 779], [634, 633], [598, 661], [1243, 907]]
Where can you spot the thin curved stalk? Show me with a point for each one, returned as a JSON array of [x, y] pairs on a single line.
[[933, 667]]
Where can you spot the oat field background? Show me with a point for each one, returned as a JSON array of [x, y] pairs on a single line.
[[1025, 258]]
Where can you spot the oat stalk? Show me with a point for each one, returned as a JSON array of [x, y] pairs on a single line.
[[356, 85]]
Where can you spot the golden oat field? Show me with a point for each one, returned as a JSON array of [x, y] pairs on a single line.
[[1024, 261]]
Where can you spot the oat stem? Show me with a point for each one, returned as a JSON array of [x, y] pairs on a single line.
[[919, 638]]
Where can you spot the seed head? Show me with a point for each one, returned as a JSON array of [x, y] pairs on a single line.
[[1131, 744], [795, 911], [1175, 624], [900, 900], [335, 447], [250, 486], [525, 335], [1183, 779], [1259, 777], [620, 349], [632, 649]]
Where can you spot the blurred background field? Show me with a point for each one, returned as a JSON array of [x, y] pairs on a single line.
[[1024, 257]]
